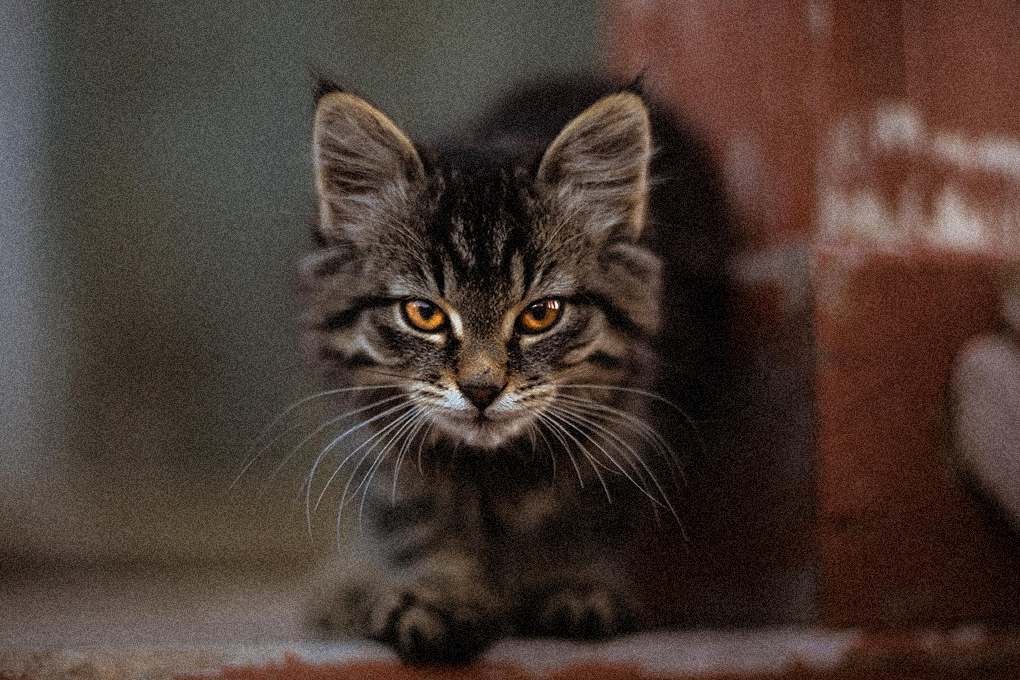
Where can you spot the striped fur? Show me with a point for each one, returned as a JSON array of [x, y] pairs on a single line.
[[485, 473]]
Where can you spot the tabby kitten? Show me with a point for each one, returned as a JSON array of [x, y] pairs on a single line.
[[496, 306]]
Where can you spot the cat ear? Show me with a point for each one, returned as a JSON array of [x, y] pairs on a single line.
[[596, 170], [366, 169]]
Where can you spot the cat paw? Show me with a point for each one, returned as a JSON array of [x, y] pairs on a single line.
[[423, 630], [580, 612]]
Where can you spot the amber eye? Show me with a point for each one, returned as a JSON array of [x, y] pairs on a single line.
[[539, 316], [424, 315]]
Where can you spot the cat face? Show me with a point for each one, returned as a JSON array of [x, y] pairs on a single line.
[[491, 294]]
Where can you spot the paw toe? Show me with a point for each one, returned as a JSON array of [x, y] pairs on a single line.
[[582, 613], [422, 632]]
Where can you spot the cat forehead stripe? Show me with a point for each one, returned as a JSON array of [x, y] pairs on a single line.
[[459, 240]]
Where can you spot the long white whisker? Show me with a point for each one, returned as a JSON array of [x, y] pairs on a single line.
[[555, 429], [424, 438], [374, 441], [318, 395], [424, 418], [255, 451], [531, 437], [634, 456], [582, 411], [332, 421], [651, 395], [581, 417], [646, 431], [595, 463], [378, 437], [366, 482], [373, 438], [409, 420], [587, 454], [311, 474], [650, 436], [548, 446], [632, 390]]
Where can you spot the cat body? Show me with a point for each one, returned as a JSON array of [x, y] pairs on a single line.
[[495, 303]]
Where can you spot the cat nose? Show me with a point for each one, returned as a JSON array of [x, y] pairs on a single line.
[[481, 395]]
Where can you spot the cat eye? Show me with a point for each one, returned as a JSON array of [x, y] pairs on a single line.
[[539, 316], [424, 315]]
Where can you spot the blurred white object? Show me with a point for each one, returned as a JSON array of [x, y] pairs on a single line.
[[986, 384]]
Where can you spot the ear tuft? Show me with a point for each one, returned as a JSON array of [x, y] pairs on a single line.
[[596, 170], [323, 84], [366, 169]]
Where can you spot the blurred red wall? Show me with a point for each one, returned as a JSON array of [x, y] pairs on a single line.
[[880, 140]]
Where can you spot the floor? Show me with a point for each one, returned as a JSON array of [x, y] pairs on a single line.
[[149, 623]]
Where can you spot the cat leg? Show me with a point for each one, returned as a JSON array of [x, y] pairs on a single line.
[[438, 610], [574, 589], [443, 612], [577, 605], [415, 576]]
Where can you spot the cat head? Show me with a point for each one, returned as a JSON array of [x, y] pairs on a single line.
[[494, 292]]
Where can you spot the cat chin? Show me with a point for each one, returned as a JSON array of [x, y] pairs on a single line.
[[485, 434]]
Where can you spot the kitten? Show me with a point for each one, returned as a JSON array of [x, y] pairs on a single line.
[[496, 302]]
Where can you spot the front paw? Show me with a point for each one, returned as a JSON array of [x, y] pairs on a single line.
[[580, 611], [425, 628]]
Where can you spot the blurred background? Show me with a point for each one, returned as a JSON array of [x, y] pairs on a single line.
[[155, 193]]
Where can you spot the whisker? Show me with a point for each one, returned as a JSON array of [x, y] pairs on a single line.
[[283, 463], [390, 427], [555, 430], [423, 420], [255, 451], [649, 435], [548, 447], [595, 463], [634, 456], [622, 417], [373, 438], [421, 445], [653, 437], [650, 395], [367, 480], [580, 416], [646, 431], [633, 390], [591, 460], [374, 441], [311, 474], [387, 374]]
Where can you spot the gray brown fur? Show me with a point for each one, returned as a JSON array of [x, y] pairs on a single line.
[[499, 521]]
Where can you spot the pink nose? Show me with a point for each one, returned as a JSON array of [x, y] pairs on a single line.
[[481, 395]]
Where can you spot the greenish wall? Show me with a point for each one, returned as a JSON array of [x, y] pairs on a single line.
[[177, 196]]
